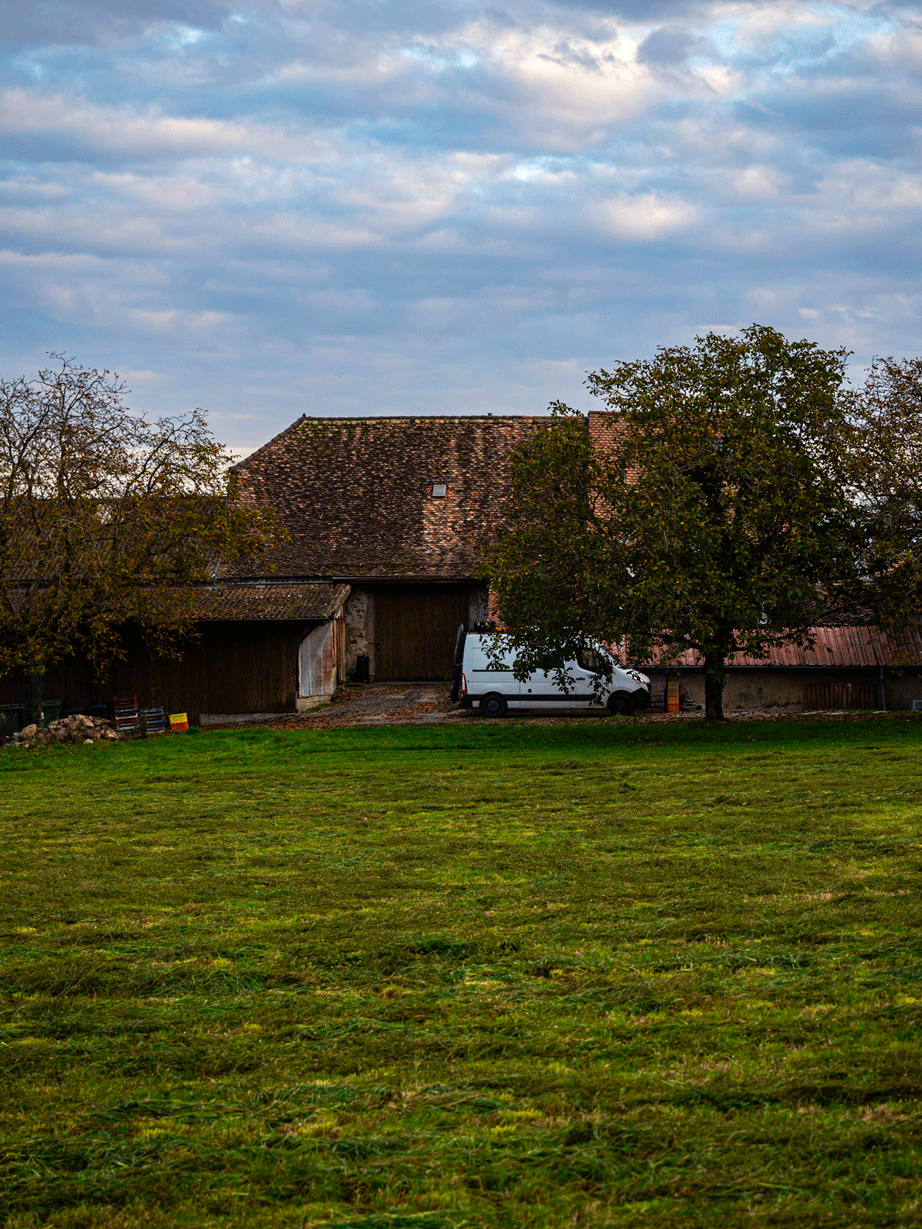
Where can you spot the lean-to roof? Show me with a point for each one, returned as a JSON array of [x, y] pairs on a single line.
[[302, 602]]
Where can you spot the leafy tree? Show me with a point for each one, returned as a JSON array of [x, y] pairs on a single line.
[[717, 514], [885, 472], [104, 518]]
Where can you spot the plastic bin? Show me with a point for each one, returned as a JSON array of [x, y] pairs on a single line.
[[673, 704], [51, 710], [10, 719]]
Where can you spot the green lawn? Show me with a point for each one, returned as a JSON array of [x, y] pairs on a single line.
[[488, 975]]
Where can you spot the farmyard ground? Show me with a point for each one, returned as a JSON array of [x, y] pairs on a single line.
[[485, 975]]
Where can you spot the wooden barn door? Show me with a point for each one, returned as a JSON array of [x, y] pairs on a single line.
[[415, 632]]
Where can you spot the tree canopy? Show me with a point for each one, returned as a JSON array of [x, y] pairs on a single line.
[[105, 518], [885, 474], [728, 503]]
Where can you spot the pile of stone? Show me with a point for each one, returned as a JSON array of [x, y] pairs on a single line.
[[76, 729]]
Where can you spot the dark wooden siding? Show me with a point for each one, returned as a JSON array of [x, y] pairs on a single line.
[[415, 630], [840, 695], [231, 668], [70, 681]]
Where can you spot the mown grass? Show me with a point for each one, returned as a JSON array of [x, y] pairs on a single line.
[[482, 976]]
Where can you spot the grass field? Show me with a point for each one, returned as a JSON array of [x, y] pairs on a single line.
[[495, 975]]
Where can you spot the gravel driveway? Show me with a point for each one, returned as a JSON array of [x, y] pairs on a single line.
[[428, 704], [379, 704]]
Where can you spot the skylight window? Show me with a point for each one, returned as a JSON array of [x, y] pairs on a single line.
[[439, 490]]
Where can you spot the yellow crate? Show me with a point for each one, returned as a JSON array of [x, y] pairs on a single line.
[[179, 721]]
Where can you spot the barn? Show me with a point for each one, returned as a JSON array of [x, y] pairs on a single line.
[[394, 508], [381, 521], [255, 648]]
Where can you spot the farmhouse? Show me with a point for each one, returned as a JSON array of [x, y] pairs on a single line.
[[380, 564]]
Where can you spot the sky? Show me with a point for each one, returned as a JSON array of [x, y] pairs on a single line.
[[341, 207]]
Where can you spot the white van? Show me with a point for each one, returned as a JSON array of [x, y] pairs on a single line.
[[484, 679]]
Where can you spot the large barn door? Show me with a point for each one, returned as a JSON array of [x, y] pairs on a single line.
[[415, 632]]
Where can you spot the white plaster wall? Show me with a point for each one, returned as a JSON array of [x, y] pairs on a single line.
[[743, 689]]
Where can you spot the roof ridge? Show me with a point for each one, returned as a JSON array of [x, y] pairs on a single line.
[[268, 444], [334, 418]]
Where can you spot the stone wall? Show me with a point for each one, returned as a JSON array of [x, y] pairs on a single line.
[[478, 607], [359, 612]]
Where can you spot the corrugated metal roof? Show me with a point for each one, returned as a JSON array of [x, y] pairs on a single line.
[[257, 602], [835, 647]]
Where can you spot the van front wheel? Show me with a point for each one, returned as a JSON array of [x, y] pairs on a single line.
[[493, 705], [620, 702]]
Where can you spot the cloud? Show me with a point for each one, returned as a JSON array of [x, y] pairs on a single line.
[[65, 127], [32, 23], [447, 207], [644, 217], [668, 47]]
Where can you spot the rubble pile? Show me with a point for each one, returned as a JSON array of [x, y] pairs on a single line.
[[76, 729]]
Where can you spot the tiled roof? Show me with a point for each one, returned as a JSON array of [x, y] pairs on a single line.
[[603, 429], [842, 647], [357, 495], [256, 602]]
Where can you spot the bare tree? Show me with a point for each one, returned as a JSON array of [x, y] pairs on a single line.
[[105, 518]]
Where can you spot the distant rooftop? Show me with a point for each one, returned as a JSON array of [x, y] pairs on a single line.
[[846, 647]]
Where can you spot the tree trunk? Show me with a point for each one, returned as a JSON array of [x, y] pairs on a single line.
[[714, 679], [35, 688]]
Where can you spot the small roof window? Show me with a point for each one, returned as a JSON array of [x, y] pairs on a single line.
[[439, 490]]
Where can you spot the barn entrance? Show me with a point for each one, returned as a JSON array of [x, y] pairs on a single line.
[[415, 630]]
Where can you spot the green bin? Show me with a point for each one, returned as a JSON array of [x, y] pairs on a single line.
[[51, 710], [10, 719]]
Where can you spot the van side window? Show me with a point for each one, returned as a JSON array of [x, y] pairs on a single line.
[[550, 661]]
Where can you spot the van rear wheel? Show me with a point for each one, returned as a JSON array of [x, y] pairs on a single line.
[[620, 702], [493, 705]]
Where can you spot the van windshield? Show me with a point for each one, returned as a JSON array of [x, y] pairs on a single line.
[[593, 660]]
